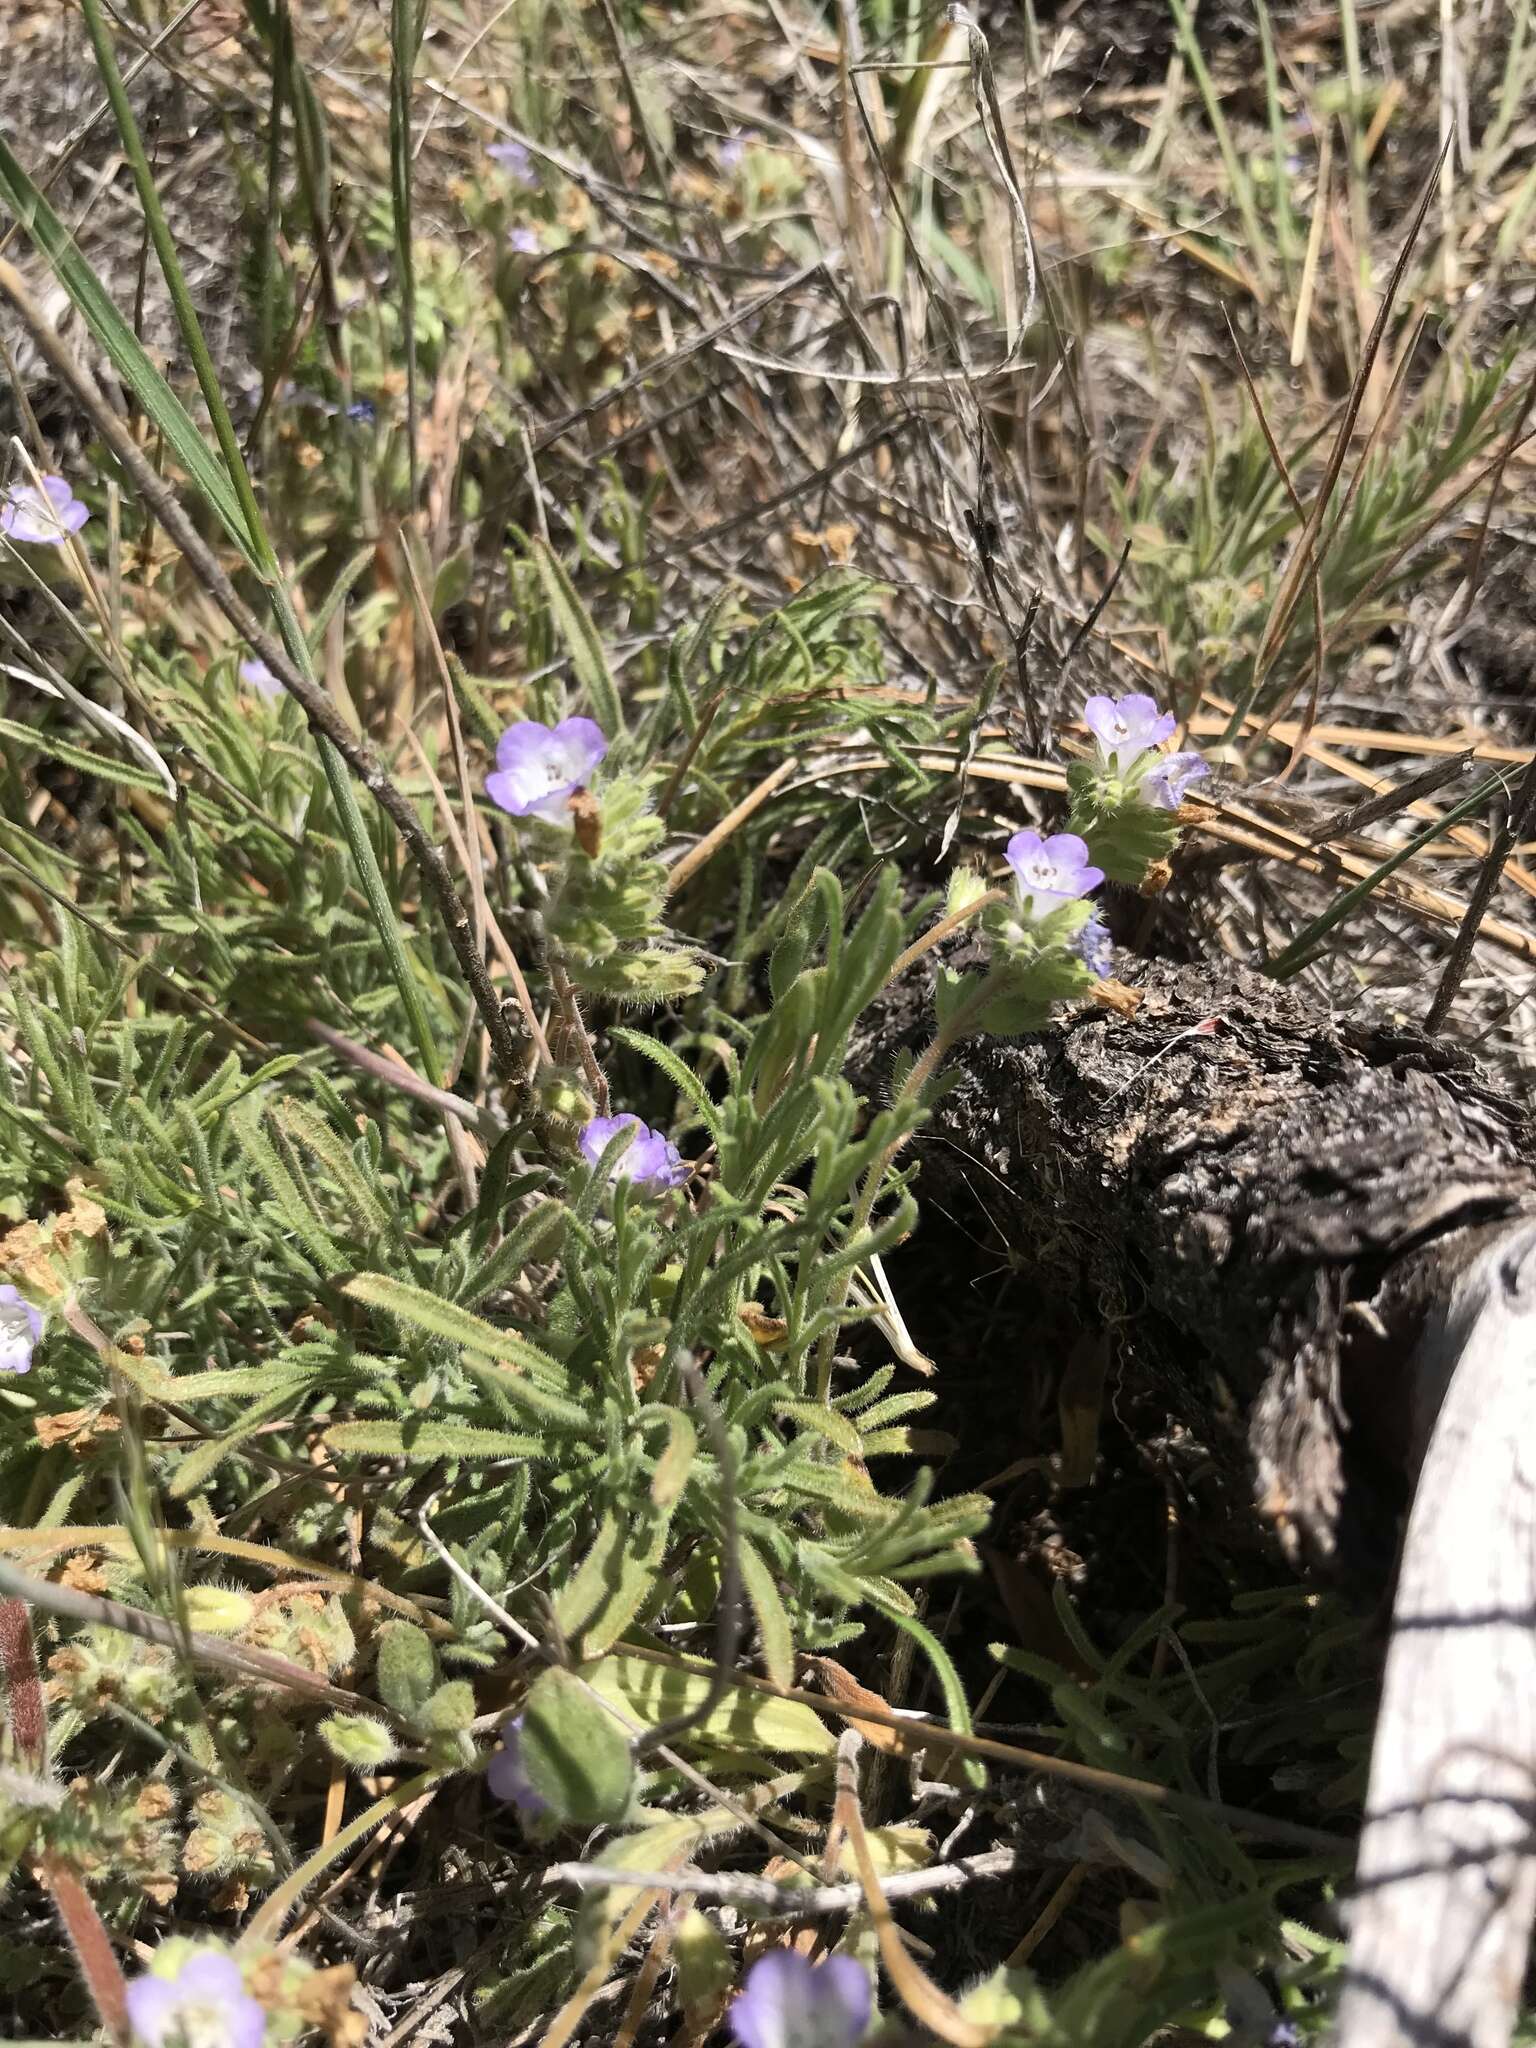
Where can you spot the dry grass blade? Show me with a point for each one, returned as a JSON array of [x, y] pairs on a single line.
[[918, 1993], [1302, 561]]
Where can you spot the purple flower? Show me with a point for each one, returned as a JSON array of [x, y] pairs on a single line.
[[204, 2005], [1094, 947], [1051, 871], [790, 2002], [516, 159], [20, 1327], [524, 241], [46, 516], [650, 1160], [538, 769], [1165, 784], [362, 412], [258, 677], [1126, 728], [508, 1777], [730, 153]]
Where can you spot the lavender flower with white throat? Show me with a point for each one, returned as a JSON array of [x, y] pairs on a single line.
[[1126, 728], [204, 2004], [539, 768], [21, 1325], [1167, 781], [649, 1161], [42, 515], [1051, 872]]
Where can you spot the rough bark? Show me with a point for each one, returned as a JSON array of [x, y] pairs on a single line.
[[1312, 1233], [1267, 1201]]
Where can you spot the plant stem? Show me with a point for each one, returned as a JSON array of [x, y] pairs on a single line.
[[917, 1080]]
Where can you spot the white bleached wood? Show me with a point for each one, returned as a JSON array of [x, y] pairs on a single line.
[[1447, 1879]]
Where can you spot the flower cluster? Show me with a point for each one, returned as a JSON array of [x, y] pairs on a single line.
[[1130, 732], [790, 2002], [539, 768], [204, 2004], [44, 515], [20, 1327], [649, 1161]]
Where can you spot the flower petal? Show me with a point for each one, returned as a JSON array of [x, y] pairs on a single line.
[[153, 2003]]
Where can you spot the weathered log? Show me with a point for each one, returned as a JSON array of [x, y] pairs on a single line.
[[1307, 1230], [1446, 1882]]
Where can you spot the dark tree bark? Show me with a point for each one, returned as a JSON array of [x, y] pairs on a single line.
[[1308, 1229]]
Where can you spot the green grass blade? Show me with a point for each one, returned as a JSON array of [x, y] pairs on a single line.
[[1298, 952], [574, 625], [160, 404], [175, 282]]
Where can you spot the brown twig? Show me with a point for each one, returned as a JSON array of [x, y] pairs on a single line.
[[23, 1689], [91, 1943], [28, 1717], [255, 1666]]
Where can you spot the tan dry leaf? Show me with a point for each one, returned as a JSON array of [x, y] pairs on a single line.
[[839, 1684], [80, 1428], [764, 1329], [34, 1253], [82, 1571], [325, 2000], [643, 1364], [587, 817], [838, 540]]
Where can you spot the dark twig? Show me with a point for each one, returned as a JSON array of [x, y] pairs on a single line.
[[324, 719], [1386, 803]]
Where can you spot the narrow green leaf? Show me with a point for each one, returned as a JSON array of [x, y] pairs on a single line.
[[573, 623], [956, 1705], [369, 1215], [823, 1421], [536, 1234], [233, 1381], [772, 1620], [119, 343], [438, 1318], [199, 1465], [423, 1442], [81, 758], [614, 1580], [296, 1213], [504, 1384], [740, 1723], [1299, 951], [676, 1461], [687, 1082]]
